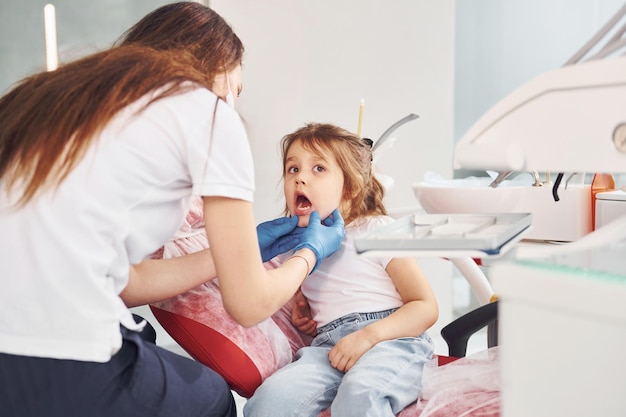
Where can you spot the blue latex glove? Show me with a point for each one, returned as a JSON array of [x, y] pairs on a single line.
[[323, 238], [277, 236]]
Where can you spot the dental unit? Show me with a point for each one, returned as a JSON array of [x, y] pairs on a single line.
[[562, 310], [570, 121]]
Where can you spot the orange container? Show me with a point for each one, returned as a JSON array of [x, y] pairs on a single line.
[[601, 182]]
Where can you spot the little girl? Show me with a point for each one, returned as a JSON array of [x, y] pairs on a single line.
[[371, 313]]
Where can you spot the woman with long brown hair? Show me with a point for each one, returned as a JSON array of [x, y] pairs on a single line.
[[97, 161]]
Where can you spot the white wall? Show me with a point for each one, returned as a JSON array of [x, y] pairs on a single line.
[[315, 60]]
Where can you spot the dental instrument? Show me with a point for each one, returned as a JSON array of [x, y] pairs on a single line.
[[387, 133]]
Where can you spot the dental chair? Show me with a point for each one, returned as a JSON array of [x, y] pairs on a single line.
[[197, 321]]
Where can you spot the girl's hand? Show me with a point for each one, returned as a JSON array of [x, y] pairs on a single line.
[[301, 315], [349, 350]]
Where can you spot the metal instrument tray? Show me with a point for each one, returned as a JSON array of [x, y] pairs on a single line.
[[486, 234]]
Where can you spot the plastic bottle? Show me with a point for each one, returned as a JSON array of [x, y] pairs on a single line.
[[601, 182]]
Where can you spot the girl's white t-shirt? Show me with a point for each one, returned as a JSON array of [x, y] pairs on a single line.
[[65, 256], [347, 282]]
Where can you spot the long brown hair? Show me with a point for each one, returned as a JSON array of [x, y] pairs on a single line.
[[189, 25], [48, 120], [360, 188]]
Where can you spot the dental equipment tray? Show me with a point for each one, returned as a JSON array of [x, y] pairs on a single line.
[[474, 235]]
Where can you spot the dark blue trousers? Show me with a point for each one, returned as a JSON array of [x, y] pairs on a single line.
[[142, 379]]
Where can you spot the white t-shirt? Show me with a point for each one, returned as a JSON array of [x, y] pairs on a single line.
[[65, 257], [349, 283]]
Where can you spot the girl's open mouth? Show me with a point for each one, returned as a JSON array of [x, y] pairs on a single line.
[[303, 205]]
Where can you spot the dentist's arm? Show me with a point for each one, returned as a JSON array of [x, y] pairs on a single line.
[[159, 279], [155, 280]]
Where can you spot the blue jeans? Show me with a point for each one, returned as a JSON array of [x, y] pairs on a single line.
[[141, 380], [384, 380]]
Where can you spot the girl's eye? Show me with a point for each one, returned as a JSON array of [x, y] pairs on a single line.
[[292, 170], [319, 168]]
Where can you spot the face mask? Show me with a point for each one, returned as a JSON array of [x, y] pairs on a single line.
[[230, 97]]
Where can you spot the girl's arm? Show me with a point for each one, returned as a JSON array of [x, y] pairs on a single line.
[[418, 313], [420, 310]]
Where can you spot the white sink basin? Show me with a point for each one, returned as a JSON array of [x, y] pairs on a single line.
[[565, 220]]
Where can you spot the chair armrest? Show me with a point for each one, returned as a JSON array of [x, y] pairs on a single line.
[[458, 332]]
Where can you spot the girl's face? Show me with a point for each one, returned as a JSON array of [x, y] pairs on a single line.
[[311, 183]]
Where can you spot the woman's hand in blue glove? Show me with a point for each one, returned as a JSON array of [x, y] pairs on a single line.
[[323, 238], [277, 236]]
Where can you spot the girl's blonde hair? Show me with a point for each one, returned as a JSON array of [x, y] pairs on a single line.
[[354, 156]]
